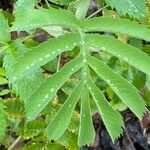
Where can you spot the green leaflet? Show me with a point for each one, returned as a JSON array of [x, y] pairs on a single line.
[[34, 146], [69, 140], [125, 90], [27, 20], [3, 81], [62, 2], [86, 133], [116, 25], [63, 116], [128, 53], [45, 92], [34, 128], [82, 8], [24, 5], [55, 146], [112, 119], [24, 85], [14, 108], [135, 8], [42, 54], [3, 122], [4, 29]]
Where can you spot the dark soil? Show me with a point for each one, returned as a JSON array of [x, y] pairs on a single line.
[[132, 138]]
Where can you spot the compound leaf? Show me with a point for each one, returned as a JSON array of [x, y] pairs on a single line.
[[42, 54], [112, 119], [124, 89], [63, 116], [86, 133], [135, 8], [116, 25], [45, 92], [27, 20], [126, 52]]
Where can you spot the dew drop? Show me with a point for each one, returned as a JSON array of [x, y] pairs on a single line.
[[52, 90], [41, 59], [95, 68], [27, 67], [74, 44], [84, 60], [84, 73], [59, 50], [14, 78], [126, 59], [81, 43], [115, 88], [53, 52], [108, 81], [39, 105], [70, 105], [32, 64], [89, 88], [72, 69], [46, 96], [118, 55], [29, 118], [96, 100], [84, 115], [136, 10], [47, 55], [66, 47], [103, 48], [76, 66]]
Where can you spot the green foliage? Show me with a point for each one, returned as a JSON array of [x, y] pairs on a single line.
[[4, 33], [86, 126], [135, 8], [62, 2], [3, 123], [24, 85], [114, 125], [38, 89], [14, 108], [27, 20], [123, 88], [63, 116], [121, 50], [117, 25], [49, 87], [81, 8], [42, 54]]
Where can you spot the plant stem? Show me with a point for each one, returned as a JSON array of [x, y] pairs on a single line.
[[96, 12], [58, 63], [58, 66], [14, 143], [47, 3]]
